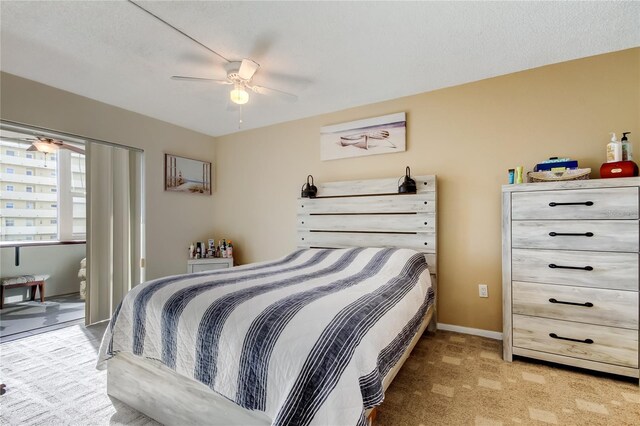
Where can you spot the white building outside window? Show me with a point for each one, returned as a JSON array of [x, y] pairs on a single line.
[[48, 205]]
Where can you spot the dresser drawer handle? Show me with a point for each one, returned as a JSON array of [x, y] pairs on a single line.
[[585, 203], [566, 234], [555, 336], [587, 304], [581, 268]]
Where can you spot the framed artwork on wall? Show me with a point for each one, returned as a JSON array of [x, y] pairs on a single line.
[[379, 135], [187, 175]]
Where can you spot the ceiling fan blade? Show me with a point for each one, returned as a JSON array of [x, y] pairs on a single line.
[[32, 148], [72, 148], [270, 91], [247, 69], [17, 140], [199, 79]]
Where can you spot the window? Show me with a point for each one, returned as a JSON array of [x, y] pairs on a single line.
[[9, 170], [52, 204], [11, 153]]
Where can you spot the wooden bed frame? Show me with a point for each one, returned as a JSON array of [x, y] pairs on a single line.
[[344, 214]]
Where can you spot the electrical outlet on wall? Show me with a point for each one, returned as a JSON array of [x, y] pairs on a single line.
[[483, 290]]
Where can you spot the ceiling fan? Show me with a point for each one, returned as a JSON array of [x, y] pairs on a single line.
[[49, 145], [45, 145], [240, 75]]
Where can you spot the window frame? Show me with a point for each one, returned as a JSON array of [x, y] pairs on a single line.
[[63, 204], [65, 194]]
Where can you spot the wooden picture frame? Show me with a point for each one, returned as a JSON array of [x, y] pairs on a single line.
[[182, 174]]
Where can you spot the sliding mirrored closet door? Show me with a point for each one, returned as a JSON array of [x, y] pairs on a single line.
[[115, 226]]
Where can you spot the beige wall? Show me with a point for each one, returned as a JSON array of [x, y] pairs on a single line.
[[173, 220], [468, 135]]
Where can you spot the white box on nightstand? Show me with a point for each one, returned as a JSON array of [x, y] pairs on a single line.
[[209, 264]]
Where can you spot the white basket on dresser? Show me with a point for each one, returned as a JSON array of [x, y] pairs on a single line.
[[571, 271]]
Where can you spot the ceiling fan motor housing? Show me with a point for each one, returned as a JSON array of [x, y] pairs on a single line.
[[232, 69]]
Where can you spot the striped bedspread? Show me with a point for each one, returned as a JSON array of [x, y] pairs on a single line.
[[306, 339]]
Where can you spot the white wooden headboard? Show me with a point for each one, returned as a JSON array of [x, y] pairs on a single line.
[[371, 213]]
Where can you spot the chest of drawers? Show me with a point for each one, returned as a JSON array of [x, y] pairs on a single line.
[[570, 262]]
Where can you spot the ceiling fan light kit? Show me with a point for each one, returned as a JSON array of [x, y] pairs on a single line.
[[43, 146], [238, 95]]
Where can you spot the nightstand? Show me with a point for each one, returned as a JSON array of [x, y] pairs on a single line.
[[209, 264]]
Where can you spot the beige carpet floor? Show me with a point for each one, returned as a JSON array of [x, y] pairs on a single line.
[[457, 379], [450, 379]]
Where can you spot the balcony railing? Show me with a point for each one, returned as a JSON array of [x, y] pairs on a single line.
[[20, 178], [28, 213], [28, 196], [29, 230], [29, 162]]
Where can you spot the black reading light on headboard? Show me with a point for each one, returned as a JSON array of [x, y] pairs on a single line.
[[409, 185], [309, 190]]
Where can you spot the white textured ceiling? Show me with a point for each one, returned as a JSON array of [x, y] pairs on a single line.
[[334, 55]]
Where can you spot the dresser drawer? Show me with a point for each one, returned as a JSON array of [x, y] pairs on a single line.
[[209, 267], [601, 203], [617, 271], [596, 235], [610, 345], [587, 305]]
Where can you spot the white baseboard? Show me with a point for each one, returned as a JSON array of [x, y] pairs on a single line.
[[473, 331]]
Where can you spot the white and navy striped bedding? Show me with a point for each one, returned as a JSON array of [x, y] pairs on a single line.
[[306, 339]]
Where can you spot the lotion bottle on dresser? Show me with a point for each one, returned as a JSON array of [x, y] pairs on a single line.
[[614, 150]]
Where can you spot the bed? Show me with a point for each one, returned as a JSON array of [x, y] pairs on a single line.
[[312, 338]]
